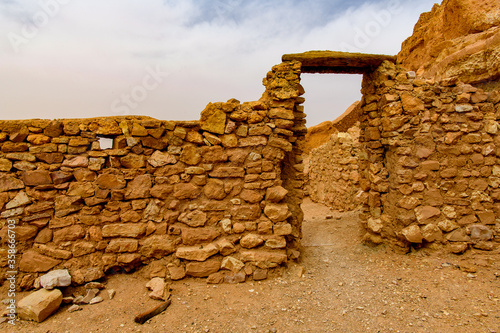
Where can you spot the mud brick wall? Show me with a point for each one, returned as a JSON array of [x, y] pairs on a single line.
[[430, 167], [333, 171], [209, 198]]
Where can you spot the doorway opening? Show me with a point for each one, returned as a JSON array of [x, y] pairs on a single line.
[[329, 96]]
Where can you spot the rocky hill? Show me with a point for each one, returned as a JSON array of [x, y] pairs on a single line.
[[459, 38], [320, 134]]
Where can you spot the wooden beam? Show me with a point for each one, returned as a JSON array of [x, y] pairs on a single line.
[[145, 316], [338, 62]]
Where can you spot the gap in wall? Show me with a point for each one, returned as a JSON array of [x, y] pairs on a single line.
[[329, 95]]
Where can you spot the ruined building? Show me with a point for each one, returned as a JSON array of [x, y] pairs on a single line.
[[221, 196]]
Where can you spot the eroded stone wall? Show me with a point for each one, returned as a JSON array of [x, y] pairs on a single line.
[[204, 198], [332, 171], [430, 164], [220, 197]]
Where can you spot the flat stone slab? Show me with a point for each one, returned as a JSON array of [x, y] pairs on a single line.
[[338, 62]]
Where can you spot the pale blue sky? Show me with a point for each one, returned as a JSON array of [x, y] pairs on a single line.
[[168, 59]]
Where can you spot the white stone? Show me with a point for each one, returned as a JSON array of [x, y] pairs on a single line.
[[411, 75], [226, 225], [95, 300], [463, 108], [157, 286], [480, 232], [19, 200], [56, 278]]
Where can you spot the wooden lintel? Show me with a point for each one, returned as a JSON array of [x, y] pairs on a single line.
[[337, 62]]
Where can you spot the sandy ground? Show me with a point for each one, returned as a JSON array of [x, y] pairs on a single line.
[[345, 287]]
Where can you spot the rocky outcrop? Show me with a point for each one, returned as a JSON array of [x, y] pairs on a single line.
[[320, 134], [459, 38]]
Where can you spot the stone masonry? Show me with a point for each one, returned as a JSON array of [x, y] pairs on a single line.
[[430, 167], [220, 197], [428, 157], [333, 171], [209, 198]]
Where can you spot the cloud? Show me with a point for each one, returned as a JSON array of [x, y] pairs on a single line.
[[90, 53]]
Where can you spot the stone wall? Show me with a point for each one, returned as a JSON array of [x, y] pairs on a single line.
[[220, 197], [209, 198], [430, 167], [349, 118], [332, 171]]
